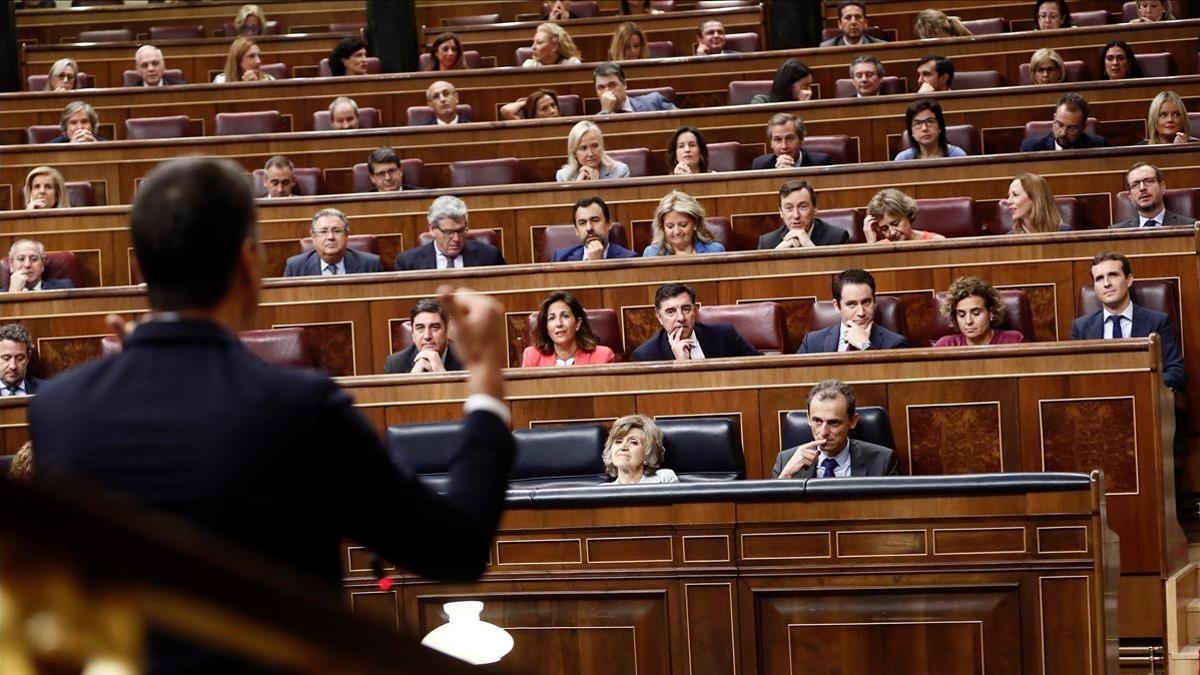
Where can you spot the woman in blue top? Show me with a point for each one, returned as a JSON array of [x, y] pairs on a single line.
[[679, 228], [927, 133]]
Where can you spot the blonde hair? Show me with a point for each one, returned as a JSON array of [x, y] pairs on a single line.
[[892, 202], [616, 50], [1043, 54], [1045, 216], [21, 468], [679, 202], [562, 39], [247, 11], [56, 69], [233, 61], [1156, 108], [575, 138], [932, 23], [60, 186], [655, 452]]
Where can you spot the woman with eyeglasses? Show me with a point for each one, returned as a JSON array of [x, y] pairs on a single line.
[[927, 133]]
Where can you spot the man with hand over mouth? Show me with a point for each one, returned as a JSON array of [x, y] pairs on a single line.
[[832, 453], [592, 224]]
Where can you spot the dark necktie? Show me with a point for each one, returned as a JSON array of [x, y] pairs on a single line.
[[15, 390], [1151, 223], [1116, 331], [450, 262], [331, 269], [827, 467]]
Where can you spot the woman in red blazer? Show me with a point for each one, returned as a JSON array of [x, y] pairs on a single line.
[[563, 336]]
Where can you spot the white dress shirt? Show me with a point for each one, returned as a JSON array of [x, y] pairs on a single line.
[[443, 261], [21, 391], [842, 470], [1157, 218], [339, 265], [1126, 321], [442, 124]]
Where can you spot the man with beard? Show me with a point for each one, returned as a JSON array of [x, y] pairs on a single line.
[[1066, 131], [592, 223]]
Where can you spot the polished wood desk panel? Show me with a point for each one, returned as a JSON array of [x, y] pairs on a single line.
[[1012, 582]]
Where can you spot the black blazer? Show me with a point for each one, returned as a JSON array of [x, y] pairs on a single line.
[[716, 340], [1046, 142], [1145, 322], [402, 361], [821, 233], [62, 138], [167, 79], [866, 459], [423, 257], [49, 284], [826, 339], [32, 385], [309, 263], [807, 158], [840, 41], [1170, 219]]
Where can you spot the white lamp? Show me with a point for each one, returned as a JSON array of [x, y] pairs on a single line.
[[468, 637]]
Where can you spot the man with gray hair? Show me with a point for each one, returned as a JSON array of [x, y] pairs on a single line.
[[343, 113], [279, 177], [27, 267], [450, 247], [152, 68], [16, 349], [867, 73], [330, 255], [785, 132], [832, 453]]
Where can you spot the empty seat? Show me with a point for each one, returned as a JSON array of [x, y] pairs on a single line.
[[948, 216], [81, 193], [873, 426], [110, 35], [977, 79], [132, 77], [554, 237], [42, 133], [1184, 201], [368, 118], [490, 237], [760, 323], [259, 122], [176, 33], [374, 67], [889, 313], [728, 156], [1092, 17], [560, 456], [278, 71], [660, 49], [1159, 295], [890, 84], [638, 160], [363, 243], [412, 169], [742, 42], [1018, 315], [703, 449], [1076, 71], [279, 346], [309, 181], [422, 114], [173, 126], [471, 20], [470, 56], [38, 82], [1159, 64], [269, 28], [59, 265], [841, 147], [425, 450], [570, 105], [1040, 128], [604, 322], [501, 171], [522, 54], [741, 91], [992, 26], [667, 92], [965, 136], [850, 220], [722, 230]]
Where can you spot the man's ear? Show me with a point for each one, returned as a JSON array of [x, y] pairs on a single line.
[[854, 420]]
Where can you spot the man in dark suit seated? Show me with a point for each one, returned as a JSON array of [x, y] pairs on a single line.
[[609, 80], [854, 298], [785, 131], [383, 167], [430, 351], [1066, 130], [276, 460], [27, 267], [710, 38], [331, 255], [852, 21], [801, 228], [450, 247], [682, 338], [832, 453], [79, 123], [443, 98], [16, 349], [1112, 277], [592, 223], [279, 177], [1147, 189], [152, 68]]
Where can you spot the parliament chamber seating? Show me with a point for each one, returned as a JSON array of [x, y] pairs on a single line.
[[889, 313], [873, 31], [977, 79], [638, 160], [570, 105], [59, 265], [1160, 295], [419, 115], [470, 57], [995, 218], [38, 82], [992, 26], [660, 49], [842, 148], [559, 456], [760, 323], [1018, 316], [667, 92], [411, 169], [1159, 64], [309, 181], [728, 156], [1182, 200], [743, 42], [280, 346], [1074, 71], [471, 20], [271, 27], [1093, 17], [257, 122], [703, 449], [365, 243], [158, 33], [604, 322], [873, 426], [368, 118], [948, 216], [109, 35], [553, 237], [425, 450], [132, 77], [850, 220], [374, 67], [81, 193], [502, 171], [890, 84], [42, 133], [279, 71], [1039, 128], [580, 9], [174, 126], [741, 91]]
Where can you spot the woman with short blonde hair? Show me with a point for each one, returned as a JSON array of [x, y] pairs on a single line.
[[586, 158], [250, 21], [1031, 205], [679, 227], [1046, 66], [552, 45], [634, 452], [628, 43], [64, 76], [45, 189]]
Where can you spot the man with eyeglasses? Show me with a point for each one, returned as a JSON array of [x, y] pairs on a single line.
[[330, 255], [1066, 128], [682, 337], [1146, 191], [383, 167], [450, 247]]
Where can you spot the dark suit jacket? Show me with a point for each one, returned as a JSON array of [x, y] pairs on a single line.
[[1046, 142], [32, 385], [462, 119], [62, 138], [1169, 218], [648, 102], [167, 80], [840, 40], [821, 233], [1145, 322], [402, 361], [826, 339], [614, 251], [49, 284], [309, 264], [475, 254], [807, 158], [278, 460], [866, 459], [716, 340]]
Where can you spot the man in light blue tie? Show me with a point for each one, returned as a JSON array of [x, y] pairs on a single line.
[[832, 453]]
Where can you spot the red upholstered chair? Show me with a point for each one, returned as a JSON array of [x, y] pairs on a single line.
[[1092, 17], [1076, 71], [472, 20], [279, 346], [1160, 295], [81, 193], [412, 169], [259, 122], [1184, 201], [1018, 315], [486, 236], [604, 322], [1194, 120], [423, 114], [176, 33], [363, 243], [667, 92], [844, 88], [278, 71], [728, 156], [722, 230], [889, 313], [42, 133], [470, 57], [1129, 11], [638, 160], [269, 28], [741, 91], [660, 49], [993, 26], [760, 323], [741, 42], [368, 118], [948, 216], [850, 220], [1159, 64], [977, 79], [841, 147], [309, 181], [132, 77], [522, 54], [965, 136], [374, 67], [173, 126], [1042, 127], [501, 171], [111, 35], [38, 82], [570, 105], [580, 9], [554, 237], [59, 265]]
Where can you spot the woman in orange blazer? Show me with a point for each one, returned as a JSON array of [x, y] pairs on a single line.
[[563, 336]]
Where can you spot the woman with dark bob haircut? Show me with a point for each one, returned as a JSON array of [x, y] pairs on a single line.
[[349, 57], [793, 82], [563, 336], [975, 309], [1051, 14], [687, 153], [1118, 62], [927, 133]]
